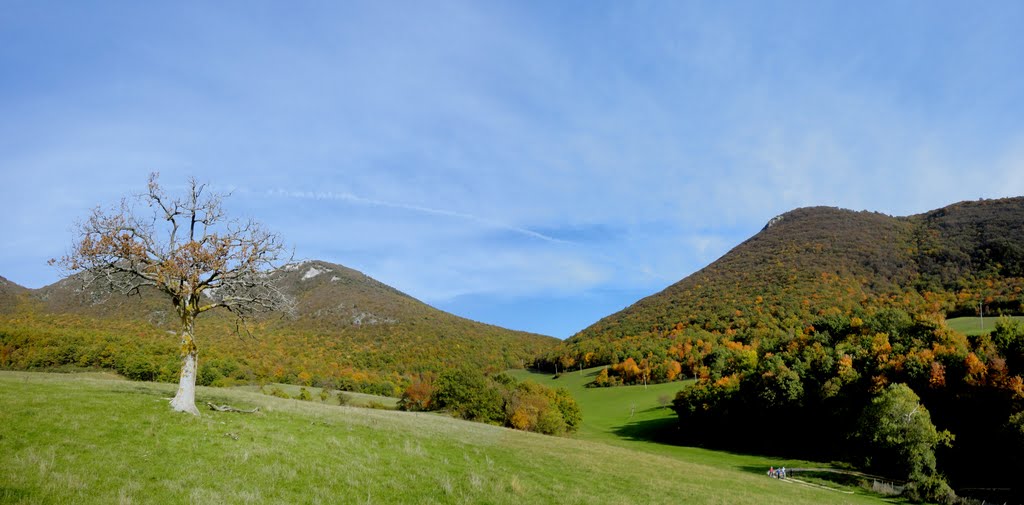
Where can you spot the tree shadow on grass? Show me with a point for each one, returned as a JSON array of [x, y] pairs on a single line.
[[663, 431], [666, 431]]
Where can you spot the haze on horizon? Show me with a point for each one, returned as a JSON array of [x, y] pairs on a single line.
[[535, 165]]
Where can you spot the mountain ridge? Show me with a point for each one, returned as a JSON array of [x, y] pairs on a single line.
[[348, 329]]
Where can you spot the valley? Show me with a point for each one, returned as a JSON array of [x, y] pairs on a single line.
[[806, 326]]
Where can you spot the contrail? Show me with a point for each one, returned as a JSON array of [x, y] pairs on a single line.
[[349, 197]]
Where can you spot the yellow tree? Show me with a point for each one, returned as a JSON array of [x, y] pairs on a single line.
[[187, 249]]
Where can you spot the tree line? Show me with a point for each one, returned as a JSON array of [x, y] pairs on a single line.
[[495, 399]]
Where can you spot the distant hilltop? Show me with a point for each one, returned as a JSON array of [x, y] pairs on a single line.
[[810, 261]]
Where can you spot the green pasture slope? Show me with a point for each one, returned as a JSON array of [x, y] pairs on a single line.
[[616, 413], [974, 325], [638, 417], [67, 439]]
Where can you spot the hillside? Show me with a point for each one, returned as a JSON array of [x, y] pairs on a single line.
[[815, 261], [348, 331], [64, 440]]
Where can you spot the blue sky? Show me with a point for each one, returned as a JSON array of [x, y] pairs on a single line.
[[536, 165]]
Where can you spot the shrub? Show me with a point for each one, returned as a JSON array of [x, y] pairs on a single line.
[[138, 368], [603, 380], [500, 399], [416, 397], [344, 398], [208, 373], [569, 409], [933, 489], [525, 406], [550, 422], [469, 395]]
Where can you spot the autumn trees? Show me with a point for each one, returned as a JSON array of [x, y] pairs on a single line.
[[497, 399], [855, 388], [186, 248]]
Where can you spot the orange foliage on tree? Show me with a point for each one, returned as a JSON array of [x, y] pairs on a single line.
[[417, 395], [846, 370], [728, 382], [1016, 385], [628, 370], [672, 370], [976, 371], [937, 376]]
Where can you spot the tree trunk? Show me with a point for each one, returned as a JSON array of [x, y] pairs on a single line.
[[185, 400]]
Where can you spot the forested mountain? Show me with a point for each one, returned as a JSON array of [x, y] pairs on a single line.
[[816, 261], [828, 327], [348, 330]]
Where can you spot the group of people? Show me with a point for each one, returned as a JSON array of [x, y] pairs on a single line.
[[777, 473]]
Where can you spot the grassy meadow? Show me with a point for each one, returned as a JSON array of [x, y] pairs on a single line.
[[615, 413], [639, 417], [66, 438], [974, 325]]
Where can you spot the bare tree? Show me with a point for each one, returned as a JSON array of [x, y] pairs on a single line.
[[187, 249]]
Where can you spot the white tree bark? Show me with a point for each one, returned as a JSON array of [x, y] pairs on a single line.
[[185, 399]]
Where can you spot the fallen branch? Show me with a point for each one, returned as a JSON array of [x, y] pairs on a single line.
[[229, 408]]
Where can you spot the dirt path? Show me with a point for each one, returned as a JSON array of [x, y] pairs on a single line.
[[792, 480], [897, 485]]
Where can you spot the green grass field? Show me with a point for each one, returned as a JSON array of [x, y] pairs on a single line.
[[72, 439], [612, 414], [975, 325], [637, 417]]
